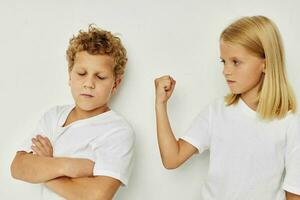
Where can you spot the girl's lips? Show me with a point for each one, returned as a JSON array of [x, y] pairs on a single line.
[[230, 82]]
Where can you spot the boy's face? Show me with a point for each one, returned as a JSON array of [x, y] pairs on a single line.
[[92, 81]]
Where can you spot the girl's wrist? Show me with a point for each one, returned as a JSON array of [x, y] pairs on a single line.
[[160, 105]]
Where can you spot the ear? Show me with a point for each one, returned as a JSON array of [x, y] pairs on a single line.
[[69, 81], [264, 66], [117, 82]]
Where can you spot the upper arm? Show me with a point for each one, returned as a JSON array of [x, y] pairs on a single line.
[[87, 188], [104, 187], [197, 137], [114, 155], [291, 181], [186, 150], [291, 196]]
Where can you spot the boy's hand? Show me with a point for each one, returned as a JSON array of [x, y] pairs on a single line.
[[164, 88], [42, 146]]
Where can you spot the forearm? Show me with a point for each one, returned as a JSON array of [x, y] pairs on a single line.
[[36, 169], [85, 188], [168, 144]]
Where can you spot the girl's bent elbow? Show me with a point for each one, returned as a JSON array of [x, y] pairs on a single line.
[[170, 165], [15, 173]]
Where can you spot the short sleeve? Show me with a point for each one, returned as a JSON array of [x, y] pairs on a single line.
[[198, 134], [114, 155], [42, 128], [292, 159]]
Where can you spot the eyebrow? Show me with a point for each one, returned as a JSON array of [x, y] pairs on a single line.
[[232, 58], [98, 72]]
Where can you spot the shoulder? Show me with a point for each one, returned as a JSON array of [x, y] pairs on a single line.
[[56, 110], [54, 114], [113, 126], [217, 105], [293, 121], [122, 126], [119, 120]]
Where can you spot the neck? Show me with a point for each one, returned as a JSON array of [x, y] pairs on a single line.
[[83, 114], [250, 97], [250, 102]]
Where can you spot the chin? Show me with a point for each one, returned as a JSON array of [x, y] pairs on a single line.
[[88, 107], [235, 90]]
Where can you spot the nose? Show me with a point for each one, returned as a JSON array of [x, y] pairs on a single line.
[[89, 82], [227, 70]]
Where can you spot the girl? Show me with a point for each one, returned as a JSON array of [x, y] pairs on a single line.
[[253, 134]]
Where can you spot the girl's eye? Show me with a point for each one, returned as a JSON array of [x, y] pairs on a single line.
[[236, 62], [222, 61]]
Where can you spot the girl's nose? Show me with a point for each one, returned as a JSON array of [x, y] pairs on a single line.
[[227, 70]]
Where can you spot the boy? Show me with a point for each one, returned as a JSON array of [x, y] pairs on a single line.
[[82, 151]]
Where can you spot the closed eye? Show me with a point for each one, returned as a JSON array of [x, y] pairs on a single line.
[[101, 78]]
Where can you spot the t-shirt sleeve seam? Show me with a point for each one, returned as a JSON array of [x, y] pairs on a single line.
[[192, 142], [109, 173], [291, 189]]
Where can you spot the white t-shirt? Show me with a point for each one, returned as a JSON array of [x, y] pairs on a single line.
[[250, 158], [107, 139]]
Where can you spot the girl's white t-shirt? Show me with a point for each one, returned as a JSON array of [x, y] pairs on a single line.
[[107, 139], [250, 158]]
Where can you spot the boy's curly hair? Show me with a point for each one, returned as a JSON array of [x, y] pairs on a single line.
[[97, 41]]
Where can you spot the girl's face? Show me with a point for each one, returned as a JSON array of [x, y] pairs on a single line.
[[243, 71], [92, 81]]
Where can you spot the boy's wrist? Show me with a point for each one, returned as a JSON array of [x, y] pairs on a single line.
[[75, 167], [63, 166]]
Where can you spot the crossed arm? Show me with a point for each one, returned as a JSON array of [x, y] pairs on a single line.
[[71, 178]]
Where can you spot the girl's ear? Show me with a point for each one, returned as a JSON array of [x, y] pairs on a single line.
[[264, 66], [117, 82]]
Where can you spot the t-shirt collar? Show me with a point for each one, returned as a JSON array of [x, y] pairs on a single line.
[[87, 120], [246, 109]]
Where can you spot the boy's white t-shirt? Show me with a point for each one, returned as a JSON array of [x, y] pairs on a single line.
[[107, 139], [250, 158]]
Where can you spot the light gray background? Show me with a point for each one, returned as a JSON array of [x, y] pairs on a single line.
[[179, 38]]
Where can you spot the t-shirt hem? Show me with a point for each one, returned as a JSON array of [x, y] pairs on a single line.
[[291, 189], [123, 180]]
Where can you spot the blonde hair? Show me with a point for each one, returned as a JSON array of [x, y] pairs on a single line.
[[97, 41], [260, 36]]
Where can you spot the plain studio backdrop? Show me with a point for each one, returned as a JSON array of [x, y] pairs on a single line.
[[179, 38]]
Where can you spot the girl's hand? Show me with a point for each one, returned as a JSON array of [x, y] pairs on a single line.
[[164, 88], [42, 146]]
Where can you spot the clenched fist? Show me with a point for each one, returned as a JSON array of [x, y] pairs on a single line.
[[164, 88]]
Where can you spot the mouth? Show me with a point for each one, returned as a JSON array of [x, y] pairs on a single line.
[[86, 95], [230, 81]]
